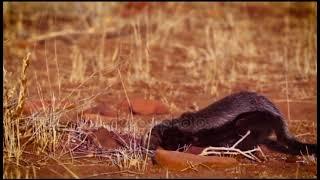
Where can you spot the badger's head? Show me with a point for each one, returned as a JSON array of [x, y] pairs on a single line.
[[153, 138]]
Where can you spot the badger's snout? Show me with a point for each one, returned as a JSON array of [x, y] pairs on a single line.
[[152, 139]]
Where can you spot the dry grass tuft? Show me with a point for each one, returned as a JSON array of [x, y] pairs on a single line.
[[12, 114]]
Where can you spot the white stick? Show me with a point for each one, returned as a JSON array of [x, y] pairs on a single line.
[[234, 151], [241, 139]]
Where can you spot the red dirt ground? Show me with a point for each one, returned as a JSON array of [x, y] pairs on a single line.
[[171, 81]]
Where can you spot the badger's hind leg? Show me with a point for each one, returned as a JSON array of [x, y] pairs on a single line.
[[285, 138], [261, 125], [255, 122]]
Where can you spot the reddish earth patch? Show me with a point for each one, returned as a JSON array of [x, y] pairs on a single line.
[[144, 107], [174, 160], [47, 106], [32, 106], [103, 109], [95, 118]]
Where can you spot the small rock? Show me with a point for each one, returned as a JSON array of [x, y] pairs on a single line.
[[145, 107], [106, 139], [174, 160]]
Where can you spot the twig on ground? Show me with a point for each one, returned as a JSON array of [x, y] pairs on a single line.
[[190, 166], [263, 155], [66, 168], [205, 166], [116, 172], [241, 139], [226, 150], [304, 134], [67, 32], [75, 147], [110, 33]]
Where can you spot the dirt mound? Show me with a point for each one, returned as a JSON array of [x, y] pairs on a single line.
[[107, 140]]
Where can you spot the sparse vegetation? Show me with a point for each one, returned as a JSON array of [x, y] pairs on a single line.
[[183, 54]]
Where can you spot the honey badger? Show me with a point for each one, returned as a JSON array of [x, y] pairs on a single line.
[[225, 121]]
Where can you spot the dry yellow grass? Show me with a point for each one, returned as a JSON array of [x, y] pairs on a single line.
[[12, 113], [199, 47]]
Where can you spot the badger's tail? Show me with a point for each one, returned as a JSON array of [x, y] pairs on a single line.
[[286, 138]]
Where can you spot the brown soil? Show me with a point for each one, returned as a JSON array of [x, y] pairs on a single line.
[[250, 44]]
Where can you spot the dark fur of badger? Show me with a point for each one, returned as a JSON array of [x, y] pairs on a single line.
[[225, 121]]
